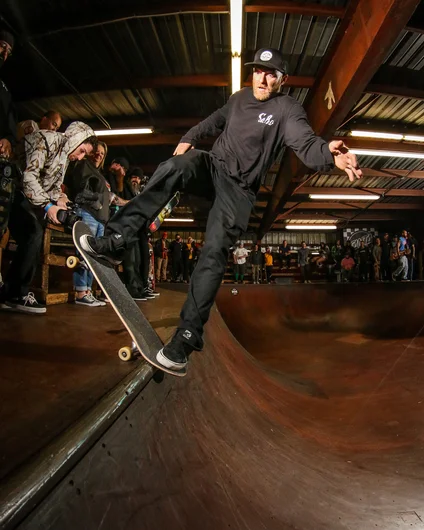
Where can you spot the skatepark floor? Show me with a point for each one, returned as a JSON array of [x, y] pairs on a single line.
[[55, 367], [304, 411]]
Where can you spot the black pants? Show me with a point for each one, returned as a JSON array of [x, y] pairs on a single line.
[[305, 271], [177, 267], [26, 225], [228, 218], [136, 265], [188, 268], [385, 269], [268, 270]]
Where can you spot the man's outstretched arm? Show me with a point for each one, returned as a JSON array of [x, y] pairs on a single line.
[[314, 151]]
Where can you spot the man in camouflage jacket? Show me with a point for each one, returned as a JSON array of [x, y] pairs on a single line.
[[48, 154]]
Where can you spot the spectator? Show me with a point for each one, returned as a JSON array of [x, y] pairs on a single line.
[[376, 257], [349, 248], [284, 252], [161, 257], [7, 110], [269, 261], [322, 257], [50, 121], [116, 175], [303, 260], [176, 251], [337, 252], [86, 186], [362, 257], [257, 260], [385, 270], [412, 246], [48, 155], [402, 251], [348, 266], [240, 255], [189, 254], [136, 260]]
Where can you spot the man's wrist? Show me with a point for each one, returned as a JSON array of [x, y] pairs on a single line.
[[48, 206]]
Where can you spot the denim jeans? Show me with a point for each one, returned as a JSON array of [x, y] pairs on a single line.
[[402, 268], [83, 277]]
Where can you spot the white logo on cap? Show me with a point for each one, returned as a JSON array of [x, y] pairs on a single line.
[[266, 56]]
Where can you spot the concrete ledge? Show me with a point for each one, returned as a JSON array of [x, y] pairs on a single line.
[[23, 490]]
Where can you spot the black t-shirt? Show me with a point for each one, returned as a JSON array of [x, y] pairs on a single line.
[[252, 134], [85, 179]]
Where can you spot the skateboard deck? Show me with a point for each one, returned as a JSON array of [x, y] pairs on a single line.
[[143, 335], [164, 213]]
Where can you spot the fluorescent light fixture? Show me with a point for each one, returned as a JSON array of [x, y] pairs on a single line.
[[347, 197], [386, 136], [235, 74], [305, 221], [393, 154], [236, 14], [123, 132], [236, 17], [311, 227], [178, 220], [412, 138]]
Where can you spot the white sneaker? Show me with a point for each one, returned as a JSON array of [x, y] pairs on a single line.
[[88, 300]]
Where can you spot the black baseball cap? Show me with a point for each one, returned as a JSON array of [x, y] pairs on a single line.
[[6, 36], [269, 58], [122, 161], [136, 172]]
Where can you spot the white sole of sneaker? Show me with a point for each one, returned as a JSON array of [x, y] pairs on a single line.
[[26, 310], [88, 305], [167, 363]]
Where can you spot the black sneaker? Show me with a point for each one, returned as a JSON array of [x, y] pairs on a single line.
[[102, 247], [147, 295], [26, 304], [151, 291], [138, 296], [173, 356]]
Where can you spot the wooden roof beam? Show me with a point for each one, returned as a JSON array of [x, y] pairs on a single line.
[[369, 29]]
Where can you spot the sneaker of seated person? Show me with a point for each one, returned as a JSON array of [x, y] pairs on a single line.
[[107, 247], [26, 304], [174, 355], [89, 301]]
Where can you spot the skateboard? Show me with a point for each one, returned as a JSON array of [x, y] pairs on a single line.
[[164, 213], [144, 338]]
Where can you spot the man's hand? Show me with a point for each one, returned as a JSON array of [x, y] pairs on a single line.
[[52, 214], [182, 148], [63, 202], [345, 160], [5, 148]]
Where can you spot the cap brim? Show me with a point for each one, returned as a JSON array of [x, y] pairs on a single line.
[[265, 65]]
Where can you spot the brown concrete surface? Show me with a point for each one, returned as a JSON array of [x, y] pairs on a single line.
[[318, 427], [54, 367]]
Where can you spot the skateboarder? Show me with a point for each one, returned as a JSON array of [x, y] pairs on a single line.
[[254, 126]]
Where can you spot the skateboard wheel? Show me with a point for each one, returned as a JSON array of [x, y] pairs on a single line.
[[125, 353], [72, 262]]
